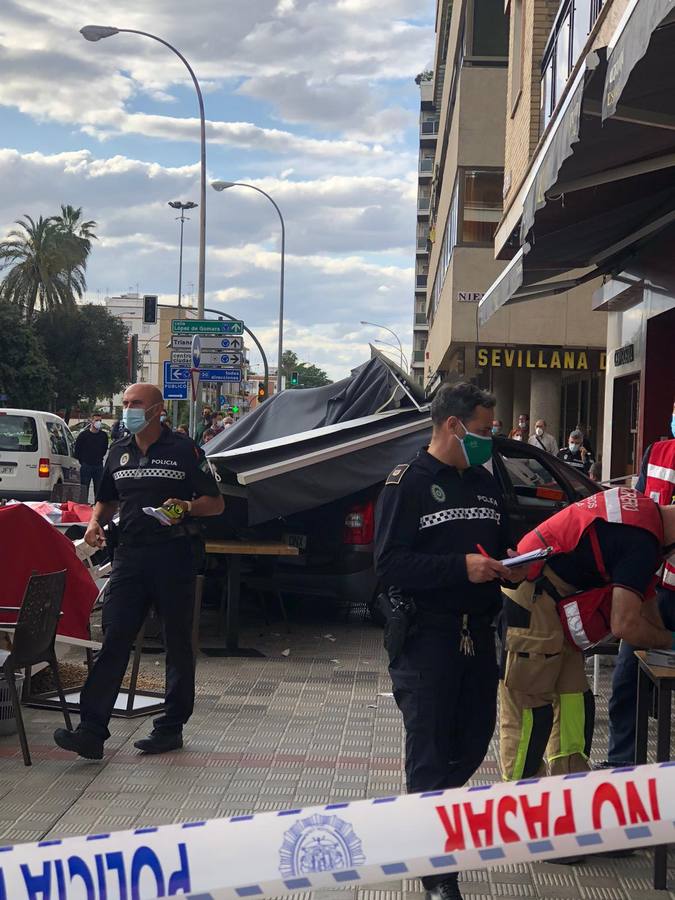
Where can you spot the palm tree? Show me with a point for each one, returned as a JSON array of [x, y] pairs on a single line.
[[77, 235], [46, 264]]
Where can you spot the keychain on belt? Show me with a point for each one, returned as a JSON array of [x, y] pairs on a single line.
[[466, 641]]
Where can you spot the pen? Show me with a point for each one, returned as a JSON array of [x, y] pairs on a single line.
[[482, 551]]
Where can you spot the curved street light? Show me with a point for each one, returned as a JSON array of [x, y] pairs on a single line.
[[393, 347], [178, 204], [95, 33], [223, 186], [385, 328]]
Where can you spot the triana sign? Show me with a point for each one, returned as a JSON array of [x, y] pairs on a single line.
[[541, 358]]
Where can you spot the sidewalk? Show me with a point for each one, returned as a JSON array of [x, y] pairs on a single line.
[[316, 726]]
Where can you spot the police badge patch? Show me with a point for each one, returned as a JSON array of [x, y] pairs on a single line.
[[319, 844], [438, 493], [124, 459], [397, 473]]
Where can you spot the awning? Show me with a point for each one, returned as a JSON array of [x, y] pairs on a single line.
[[601, 189]]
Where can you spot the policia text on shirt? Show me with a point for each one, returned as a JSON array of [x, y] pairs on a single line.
[[153, 565], [433, 515]]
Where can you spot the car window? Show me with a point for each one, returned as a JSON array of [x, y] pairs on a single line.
[[57, 439], [533, 483], [70, 440], [18, 433]]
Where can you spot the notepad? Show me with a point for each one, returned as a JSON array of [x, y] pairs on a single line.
[[526, 558]]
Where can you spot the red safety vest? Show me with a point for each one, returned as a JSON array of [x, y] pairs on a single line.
[[586, 616], [660, 487]]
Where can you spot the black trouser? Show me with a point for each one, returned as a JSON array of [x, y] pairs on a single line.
[[449, 706], [91, 473], [142, 576]]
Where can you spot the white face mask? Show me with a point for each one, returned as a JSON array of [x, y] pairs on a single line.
[[517, 437], [540, 431], [97, 425], [574, 448]]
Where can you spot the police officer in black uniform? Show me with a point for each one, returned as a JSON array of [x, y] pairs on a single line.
[[440, 530], [153, 564]]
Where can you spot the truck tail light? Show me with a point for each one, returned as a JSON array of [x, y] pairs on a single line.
[[359, 527], [43, 468]]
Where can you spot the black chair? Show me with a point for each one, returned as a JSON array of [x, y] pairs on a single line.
[[34, 636]]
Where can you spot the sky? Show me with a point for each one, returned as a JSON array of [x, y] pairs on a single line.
[[313, 101]]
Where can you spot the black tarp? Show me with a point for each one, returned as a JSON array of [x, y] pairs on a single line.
[[304, 448]]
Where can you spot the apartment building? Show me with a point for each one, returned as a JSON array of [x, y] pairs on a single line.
[[589, 197], [548, 362]]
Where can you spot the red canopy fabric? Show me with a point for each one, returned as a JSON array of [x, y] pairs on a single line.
[[28, 544]]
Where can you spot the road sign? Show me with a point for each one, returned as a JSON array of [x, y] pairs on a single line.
[[196, 351], [206, 326], [229, 375], [177, 391], [209, 342], [209, 359]]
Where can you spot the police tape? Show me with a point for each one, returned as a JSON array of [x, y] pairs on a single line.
[[342, 844]]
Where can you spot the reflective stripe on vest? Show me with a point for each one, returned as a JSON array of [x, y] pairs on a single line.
[[575, 625], [660, 484]]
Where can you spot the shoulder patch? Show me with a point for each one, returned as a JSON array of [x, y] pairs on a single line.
[[397, 474]]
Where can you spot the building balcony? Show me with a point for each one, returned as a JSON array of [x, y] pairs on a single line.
[[418, 357], [423, 204], [421, 282], [429, 127], [426, 165], [421, 319]]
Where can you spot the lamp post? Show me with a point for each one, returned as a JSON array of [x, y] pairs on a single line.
[[223, 186], [385, 328], [394, 347], [98, 32], [176, 204]]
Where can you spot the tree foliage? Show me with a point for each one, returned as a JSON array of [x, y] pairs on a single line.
[[45, 261], [26, 378], [309, 375], [87, 350]]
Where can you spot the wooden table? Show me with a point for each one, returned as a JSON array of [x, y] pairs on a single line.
[[663, 680], [229, 607]]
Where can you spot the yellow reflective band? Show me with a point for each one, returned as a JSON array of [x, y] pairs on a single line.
[[572, 726], [523, 746]]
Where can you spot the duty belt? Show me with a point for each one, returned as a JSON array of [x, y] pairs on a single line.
[[169, 533]]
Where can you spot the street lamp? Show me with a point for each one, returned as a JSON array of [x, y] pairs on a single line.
[[223, 186], [385, 328], [98, 32], [394, 347], [176, 204]]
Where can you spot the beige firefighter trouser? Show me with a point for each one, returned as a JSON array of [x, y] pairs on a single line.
[[545, 696]]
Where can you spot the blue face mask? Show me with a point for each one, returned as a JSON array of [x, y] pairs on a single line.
[[134, 420], [672, 425]]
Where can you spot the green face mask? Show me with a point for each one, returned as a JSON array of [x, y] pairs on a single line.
[[477, 449]]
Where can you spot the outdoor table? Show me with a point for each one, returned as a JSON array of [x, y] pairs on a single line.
[[229, 606], [663, 680]]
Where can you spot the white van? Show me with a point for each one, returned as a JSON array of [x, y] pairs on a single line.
[[36, 453]]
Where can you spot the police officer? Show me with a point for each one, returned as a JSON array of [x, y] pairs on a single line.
[[599, 580], [152, 565], [440, 530]]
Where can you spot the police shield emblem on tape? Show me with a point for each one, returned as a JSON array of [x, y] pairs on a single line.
[[319, 844]]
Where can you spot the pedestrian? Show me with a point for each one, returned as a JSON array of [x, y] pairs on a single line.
[[595, 472], [228, 421], [497, 428], [203, 424], [516, 434], [218, 422], [584, 429], [541, 438], [182, 429], [91, 446], [164, 419], [598, 581], [208, 435], [440, 531], [118, 430], [657, 480], [152, 566], [575, 454], [524, 425]]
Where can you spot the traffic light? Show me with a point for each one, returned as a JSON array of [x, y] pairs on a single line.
[[149, 309], [132, 358], [262, 393], [235, 410], [295, 379]]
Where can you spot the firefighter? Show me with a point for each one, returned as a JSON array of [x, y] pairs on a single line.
[[599, 580]]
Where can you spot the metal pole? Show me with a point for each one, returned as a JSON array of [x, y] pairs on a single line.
[[180, 258], [202, 135], [385, 328], [281, 300]]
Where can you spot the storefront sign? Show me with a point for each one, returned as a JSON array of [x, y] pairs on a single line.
[[469, 296], [541, 358], [624, 355]]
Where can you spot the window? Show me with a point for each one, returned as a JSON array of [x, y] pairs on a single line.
[[582, 26], [57, 439], [18, 434], [488, 32], [533, 484], [518, 51], [562, 56], [482, 206]]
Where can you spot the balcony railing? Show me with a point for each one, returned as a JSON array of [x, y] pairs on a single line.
[[421, 281], [418, 356], [423, 203], [420, 318], [427, 164], [429, 127]]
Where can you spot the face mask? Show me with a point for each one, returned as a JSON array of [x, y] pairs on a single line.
[[477, 449], [134, 420], [495, 429], [162, 418], [540, 431], [517, 437], [522, 425], [672, 425], [97, 425], [574, 448]]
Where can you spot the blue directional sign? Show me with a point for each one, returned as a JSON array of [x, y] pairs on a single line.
[[176, 373], [174, 388], [229, 375]]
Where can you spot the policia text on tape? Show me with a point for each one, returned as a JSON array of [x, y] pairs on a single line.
[[352, 843]]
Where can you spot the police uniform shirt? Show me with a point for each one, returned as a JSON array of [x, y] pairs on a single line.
[[575, 460], [429, 517], [172, 467]]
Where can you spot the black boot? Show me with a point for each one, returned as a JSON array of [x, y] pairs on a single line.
[[160, 742], [82, 742], [447, 889]]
